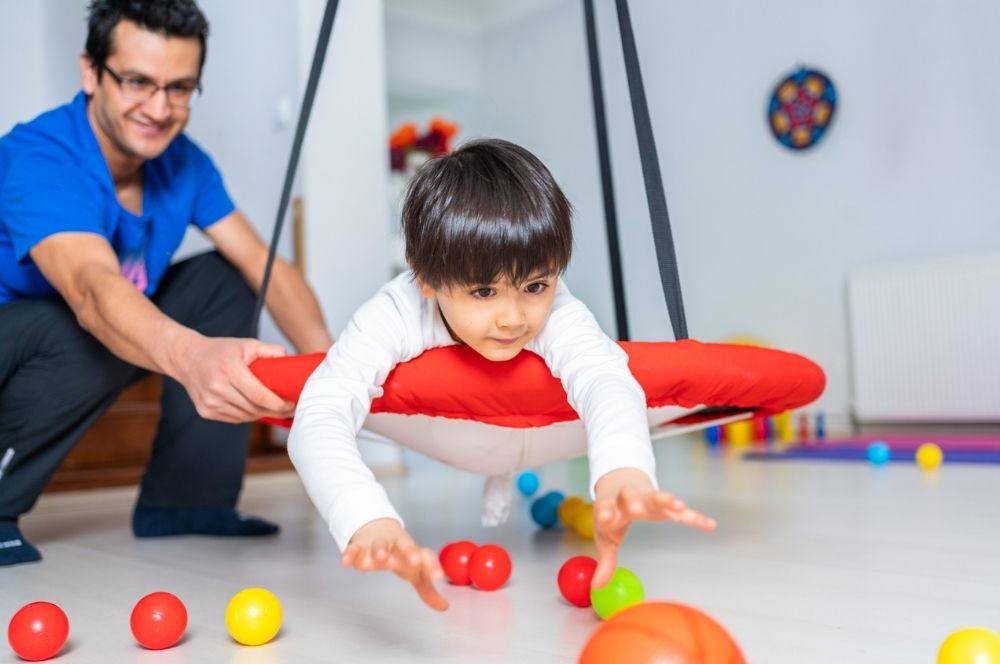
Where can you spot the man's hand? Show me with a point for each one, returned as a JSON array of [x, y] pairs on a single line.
[[626, 495], [215, 372], [382, 544]]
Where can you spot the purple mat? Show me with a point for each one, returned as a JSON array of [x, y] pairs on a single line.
[[957, 449]]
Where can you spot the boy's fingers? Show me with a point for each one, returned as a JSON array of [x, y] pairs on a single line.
[[630, 503], [606, 561], [405, 556], [349, 555], [664, 502], [429, 593], [380, 551], [432, 565]]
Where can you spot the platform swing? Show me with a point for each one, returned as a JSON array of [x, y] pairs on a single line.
[[453, 393]]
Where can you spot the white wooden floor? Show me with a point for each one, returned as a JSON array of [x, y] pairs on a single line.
[[813, 562]]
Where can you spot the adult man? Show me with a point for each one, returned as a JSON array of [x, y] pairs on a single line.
[[95, 197]]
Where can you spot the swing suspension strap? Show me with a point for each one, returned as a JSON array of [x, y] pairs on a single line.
[[607, 185], [319, 56], [666, 257]]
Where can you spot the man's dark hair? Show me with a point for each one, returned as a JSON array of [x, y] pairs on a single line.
[[172, 18], [489, 210]]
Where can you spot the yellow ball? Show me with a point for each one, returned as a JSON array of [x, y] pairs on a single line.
[[972, 645], [253, 616], [583, 522], [568, 509], [929, 456]]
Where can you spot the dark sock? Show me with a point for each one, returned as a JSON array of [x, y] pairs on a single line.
[[14, 549], [225, 521]]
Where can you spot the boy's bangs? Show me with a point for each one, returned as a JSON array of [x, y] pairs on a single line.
[[485, 251]]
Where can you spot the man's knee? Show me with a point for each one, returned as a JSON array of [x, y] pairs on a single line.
[[56, 355]]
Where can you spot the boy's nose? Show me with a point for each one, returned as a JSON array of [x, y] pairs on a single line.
[[511, 316]]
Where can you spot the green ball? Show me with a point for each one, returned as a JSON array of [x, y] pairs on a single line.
[[622, 591]]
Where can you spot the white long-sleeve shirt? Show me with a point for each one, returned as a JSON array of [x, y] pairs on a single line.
[[397, 325]]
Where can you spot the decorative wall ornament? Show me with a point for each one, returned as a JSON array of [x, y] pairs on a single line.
[[801, 108]]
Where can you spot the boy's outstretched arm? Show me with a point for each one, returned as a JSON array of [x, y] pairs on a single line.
[[383, 544], [626, 495]]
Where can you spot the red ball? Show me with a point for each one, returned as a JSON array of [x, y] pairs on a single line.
[[661, 633], [489, 567], [159, 620], [574, 579], [38, 631], [454, 559]]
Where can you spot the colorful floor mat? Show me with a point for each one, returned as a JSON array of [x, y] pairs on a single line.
[[957, 449]]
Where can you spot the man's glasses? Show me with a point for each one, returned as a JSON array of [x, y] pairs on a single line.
[[139, 89]]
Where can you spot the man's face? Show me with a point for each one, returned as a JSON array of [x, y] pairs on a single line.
[[496, 320], [141, 129]]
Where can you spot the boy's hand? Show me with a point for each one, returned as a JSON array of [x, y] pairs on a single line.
[[626, 495], [382, 544]]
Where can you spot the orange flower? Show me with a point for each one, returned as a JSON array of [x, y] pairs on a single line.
[[445, 128], [404, 137]]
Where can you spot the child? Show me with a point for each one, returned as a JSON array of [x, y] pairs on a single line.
[[488, 237]]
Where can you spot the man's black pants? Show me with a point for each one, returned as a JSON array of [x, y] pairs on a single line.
[[56, 379]]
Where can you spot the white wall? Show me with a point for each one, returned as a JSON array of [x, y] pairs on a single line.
[[345, 162], [22, 78], [765, 236]]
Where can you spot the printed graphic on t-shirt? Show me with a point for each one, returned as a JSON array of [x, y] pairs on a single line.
[[134, 269]]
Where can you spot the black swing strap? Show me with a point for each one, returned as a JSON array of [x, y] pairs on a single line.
[[607, 185], [326, 28], [665, 255]]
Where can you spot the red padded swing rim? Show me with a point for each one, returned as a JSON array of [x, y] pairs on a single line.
[[456, 382]]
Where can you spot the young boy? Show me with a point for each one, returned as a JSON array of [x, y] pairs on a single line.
[[488, 236]]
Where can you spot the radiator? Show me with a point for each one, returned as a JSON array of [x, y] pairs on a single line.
[[925, 340]]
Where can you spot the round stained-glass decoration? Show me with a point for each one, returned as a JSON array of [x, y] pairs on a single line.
[[802, 108]]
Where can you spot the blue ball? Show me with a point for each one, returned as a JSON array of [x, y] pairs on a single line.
[[555, 497], [713, 435], [528, 482], [545, 512], [879, 452]]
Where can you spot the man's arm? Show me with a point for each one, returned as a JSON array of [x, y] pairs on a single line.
[[84, 269], [289, 298]]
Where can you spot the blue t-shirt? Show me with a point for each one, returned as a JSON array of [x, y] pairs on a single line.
[[53, 179]]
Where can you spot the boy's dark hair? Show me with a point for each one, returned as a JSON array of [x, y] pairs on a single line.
[[173, 18], [487, 211]]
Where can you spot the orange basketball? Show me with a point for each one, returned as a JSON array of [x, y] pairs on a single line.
[[661, 633]]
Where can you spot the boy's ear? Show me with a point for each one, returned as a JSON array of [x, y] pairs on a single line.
[[425, 290]]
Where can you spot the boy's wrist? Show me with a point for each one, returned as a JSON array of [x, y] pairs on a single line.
[[612, 482]]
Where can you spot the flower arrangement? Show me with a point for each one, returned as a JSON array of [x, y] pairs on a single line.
[[406, 140]]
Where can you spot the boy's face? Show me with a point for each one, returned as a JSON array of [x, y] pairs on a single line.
[[496, 320]]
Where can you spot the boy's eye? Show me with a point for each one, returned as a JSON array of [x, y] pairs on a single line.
[[482, 293], [537, 287]]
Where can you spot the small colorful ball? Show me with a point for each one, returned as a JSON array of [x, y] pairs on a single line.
[[38, 631], [972, 645], [929, 456], [454, 558], [713, 435], [158, 620], [528, 482], [661, 633], [253, 616], [545, 512], [489, 567], [568, 508], [622, 591], [555, 497], [583, 522], [574, 580], [879, 453]]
